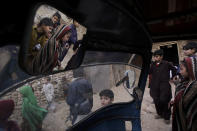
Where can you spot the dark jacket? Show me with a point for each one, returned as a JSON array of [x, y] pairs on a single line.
[[159, 85], [73, 37], [80, 97]]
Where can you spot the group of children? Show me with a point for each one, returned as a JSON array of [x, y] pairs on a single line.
[[49, 43], [79, 97], [185, 99], [33, 115]]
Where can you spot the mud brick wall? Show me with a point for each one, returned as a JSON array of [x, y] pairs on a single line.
[[58, 81]]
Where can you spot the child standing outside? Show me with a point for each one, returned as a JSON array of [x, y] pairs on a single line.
[[48, 90], [106, 97], [190, 49], [185, 101], [160, 89]]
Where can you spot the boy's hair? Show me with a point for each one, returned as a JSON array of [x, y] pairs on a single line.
[[107, 93], [46, 21], [190, 45], [58, 15], [158, 52]]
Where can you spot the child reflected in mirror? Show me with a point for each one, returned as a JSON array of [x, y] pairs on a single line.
[[63, 44], [48, 90]]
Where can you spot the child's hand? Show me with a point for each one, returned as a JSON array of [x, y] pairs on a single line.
[[170, 104], [176, 80]]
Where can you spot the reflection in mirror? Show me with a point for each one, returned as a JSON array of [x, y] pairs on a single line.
[[55, 40], [10, 72], [72, 96]]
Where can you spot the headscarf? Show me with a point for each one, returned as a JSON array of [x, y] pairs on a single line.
[[191, 64], [6, 109], [62, 31], [30, 110], [61, 50], [185, 95]]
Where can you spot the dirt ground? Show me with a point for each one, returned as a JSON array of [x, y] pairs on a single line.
[[55, 121], [149, 123]]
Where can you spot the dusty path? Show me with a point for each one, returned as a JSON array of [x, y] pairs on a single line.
[[56, 121], [149, 123]]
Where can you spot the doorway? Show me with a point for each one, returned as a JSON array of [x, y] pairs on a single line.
[[171, 53]]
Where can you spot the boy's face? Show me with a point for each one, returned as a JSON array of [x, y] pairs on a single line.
[[66, 37], [183, 71], [158, 58], [55, 19], [105, 100], [189, 52], [47, 30]]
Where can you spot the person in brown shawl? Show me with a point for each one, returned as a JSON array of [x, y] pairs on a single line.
[[184, 117], [47, 57]]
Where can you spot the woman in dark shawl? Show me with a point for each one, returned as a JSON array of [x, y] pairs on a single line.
[[6, 109], [185, 102], [47, 58]]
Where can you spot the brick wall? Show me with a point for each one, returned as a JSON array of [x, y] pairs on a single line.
[[58, 80]]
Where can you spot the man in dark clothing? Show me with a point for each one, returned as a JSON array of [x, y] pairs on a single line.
[[80, 99], [160, 89]]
